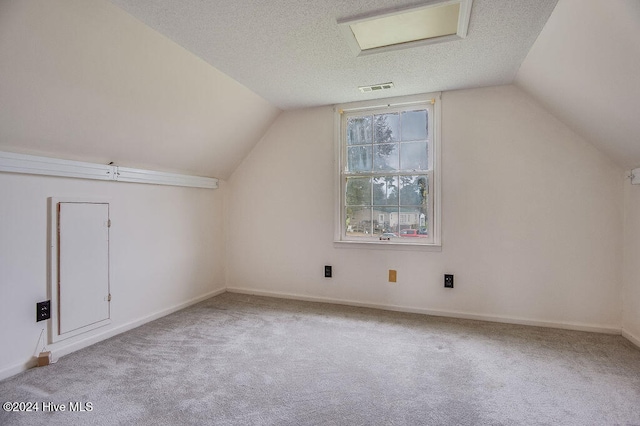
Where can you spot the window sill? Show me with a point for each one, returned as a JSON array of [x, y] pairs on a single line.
[[387, 245]]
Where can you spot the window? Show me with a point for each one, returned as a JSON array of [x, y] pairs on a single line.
[[387, 166]]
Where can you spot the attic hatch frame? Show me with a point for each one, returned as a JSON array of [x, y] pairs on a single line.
[[463, 24], [47, 166]]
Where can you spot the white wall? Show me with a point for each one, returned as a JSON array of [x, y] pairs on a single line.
[[166, 249], [532, 219], [82, 79], [584, 69], [631, 292]]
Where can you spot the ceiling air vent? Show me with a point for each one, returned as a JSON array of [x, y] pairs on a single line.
[[375, 87]]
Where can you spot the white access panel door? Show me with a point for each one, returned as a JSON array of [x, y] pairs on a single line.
[[83, 266]]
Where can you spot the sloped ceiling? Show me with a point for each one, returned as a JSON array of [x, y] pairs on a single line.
[[585, 68], [82, 79], [292, 53]]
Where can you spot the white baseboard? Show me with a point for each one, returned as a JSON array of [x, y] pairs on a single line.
[[633, 339], [61, 350], [450, 314], [18, 368]]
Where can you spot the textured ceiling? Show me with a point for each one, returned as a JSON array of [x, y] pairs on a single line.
[[292, 53]]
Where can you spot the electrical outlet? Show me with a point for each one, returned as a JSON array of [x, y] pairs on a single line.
[[448, 280], [43, 310], [393, 276], [328, 271]]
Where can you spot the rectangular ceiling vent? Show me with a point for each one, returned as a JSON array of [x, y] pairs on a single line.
[[375, 87]]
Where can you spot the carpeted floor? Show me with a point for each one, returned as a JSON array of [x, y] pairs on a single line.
[[246, 360]]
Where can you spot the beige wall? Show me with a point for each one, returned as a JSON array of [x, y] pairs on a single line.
[[631, 292], [532, 219], [166, 249]]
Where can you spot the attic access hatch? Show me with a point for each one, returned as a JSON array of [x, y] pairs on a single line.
[[434, 22]]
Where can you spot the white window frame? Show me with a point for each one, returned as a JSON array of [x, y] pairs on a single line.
[[433, 102]]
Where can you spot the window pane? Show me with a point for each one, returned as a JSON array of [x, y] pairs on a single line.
[[414, 190], [387, 220], [413, 156], [386, 157], [359, 130], [358, 192], [385, 190], [359, 159], [386, 128], [386, 164], [358, 221], [414, 125], [413, 222]]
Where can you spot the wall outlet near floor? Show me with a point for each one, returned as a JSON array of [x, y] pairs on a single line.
[[393, 275], [328, 271], [448, 280], [43, 310]]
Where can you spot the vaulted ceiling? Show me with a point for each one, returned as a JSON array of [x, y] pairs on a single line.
[[585, 68], [293, 54], [191, 85], [83, 80]]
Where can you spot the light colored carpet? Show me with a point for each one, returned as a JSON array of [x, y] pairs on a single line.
[[246, 360]]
